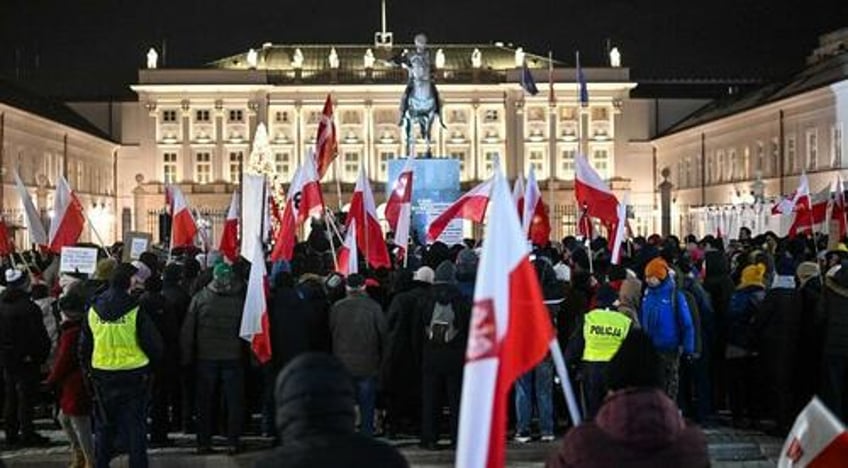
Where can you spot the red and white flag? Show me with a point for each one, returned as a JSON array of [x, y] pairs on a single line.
[[31, 217], [535, 221], [369, 234], [818, 439], [592, 193], [510, 333], [326, 142], [303, 200], [68, 218], [229, 237], [801, 195], [347, 262], [585, 227], [255, 327], [471, 206], [7, 246], [811, 213], [518, 194], [619, 231], [183, 227], [838, 211], [399, 205]]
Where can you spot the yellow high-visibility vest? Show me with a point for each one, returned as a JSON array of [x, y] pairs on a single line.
[[116, 343], [603, 332]]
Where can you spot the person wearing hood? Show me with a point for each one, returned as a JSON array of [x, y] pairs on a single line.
[[666, 318], [176, 306], [466, 272], [210, 340], [358, 328], [778, 325], [24, 346], [638, 424], [315, 417], [401, 372], [444, 315], [741, 349], [832, 319], [66, 377], [118, 345], [719, 287]]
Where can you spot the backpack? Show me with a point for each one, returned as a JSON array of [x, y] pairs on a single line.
[[442, 329]]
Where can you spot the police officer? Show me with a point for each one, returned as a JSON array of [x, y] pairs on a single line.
[[596, 341], [117, 344]]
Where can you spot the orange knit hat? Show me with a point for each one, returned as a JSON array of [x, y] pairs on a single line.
[[657, 268]]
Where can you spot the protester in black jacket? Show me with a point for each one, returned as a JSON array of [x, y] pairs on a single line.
[[176, 305], [315, 419], [24, 346], [442, 362], [833, 319], [810, 345]]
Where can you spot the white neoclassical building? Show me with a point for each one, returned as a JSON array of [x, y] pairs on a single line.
[[754, 146]]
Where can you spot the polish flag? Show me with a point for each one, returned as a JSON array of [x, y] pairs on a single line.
[[303, 200], [255, 328], [510, 333], [584, 224], [399, 206], [6, 244], [518, 194], [810, 215], [347, 262], [817, 440], [535, 221], [369, 235], [31, 216], [471, 206], [183, 227], [326, 143], [801, 195], [619, 231], [68, 218], [229, 237], [839, 210], [592, 193]]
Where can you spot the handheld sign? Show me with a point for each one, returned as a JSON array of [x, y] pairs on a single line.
[[78, 259], [135, 244]]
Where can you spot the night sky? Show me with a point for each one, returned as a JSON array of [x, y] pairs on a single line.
[[88, 48]]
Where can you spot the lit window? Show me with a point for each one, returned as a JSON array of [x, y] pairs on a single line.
[[203, 168], [568, 113], [710, 168], [789, 164], [235, 160], [812, 149], [236, 115], [774, 165], [281, 117], [733, 168], [384, 158], [536, 160], [490, 158], [600, 161], [459, 155], [760, 161], [600, 113], [169, 168], [490, 116], [351, 165], [169, 116], [719, 169], [201, 116], [281, 163], [836, 145], [567, 164]]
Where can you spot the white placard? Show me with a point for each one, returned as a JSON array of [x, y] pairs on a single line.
[[78, 259], [138, 245]]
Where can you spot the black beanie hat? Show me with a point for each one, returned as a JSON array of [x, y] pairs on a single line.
[[636, 364]]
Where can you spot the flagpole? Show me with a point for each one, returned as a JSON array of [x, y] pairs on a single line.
[[565, 382], [332, 244], [552, 131]]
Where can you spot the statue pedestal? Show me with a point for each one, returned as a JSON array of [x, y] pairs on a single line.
[[435, 186]]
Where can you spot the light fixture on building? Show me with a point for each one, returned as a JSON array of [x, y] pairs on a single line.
[[152, 58], [615, 57], [476, 58], [368, 59], [519, 57], [252, 58], [333, 58], [440, 59], [297, 59]]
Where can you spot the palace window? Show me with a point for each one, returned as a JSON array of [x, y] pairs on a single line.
[[489, 159], [745, 168], [201, 116], [491, 116], [281, 163], [774, 161], [719, 169], [281, 117], [384, 160], [567, 164], [760, 161], [536, 160], [235, 158], [812, 149], [169, 167], [733, 167], [681, 175], [710, 176], [600, 161], [236, 115], [836, 145], [351, 166], [169, 116], [600, 113], [203, 167], [790, 163], [568, 113], [459, 156]]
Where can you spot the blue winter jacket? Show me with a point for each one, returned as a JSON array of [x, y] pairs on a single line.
[[668, 329]]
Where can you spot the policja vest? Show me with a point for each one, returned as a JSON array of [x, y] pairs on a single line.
[[116, 345], [603, 332]]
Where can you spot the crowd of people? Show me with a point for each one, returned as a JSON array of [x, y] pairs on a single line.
[[751, 328]]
